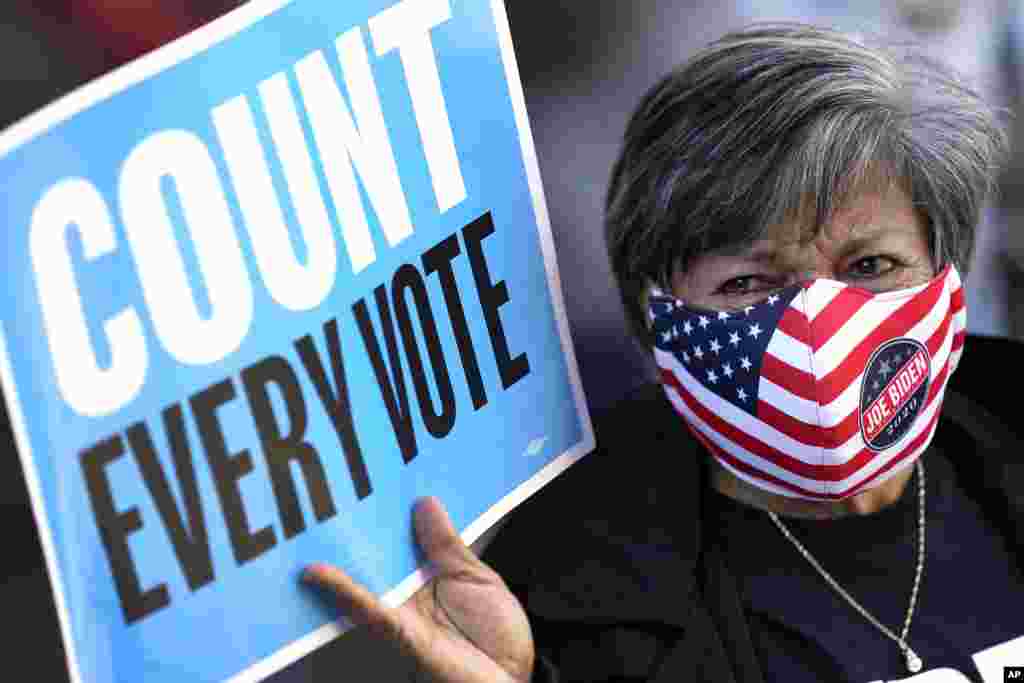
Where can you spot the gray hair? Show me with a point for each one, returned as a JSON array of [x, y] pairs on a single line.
[[778, 123]]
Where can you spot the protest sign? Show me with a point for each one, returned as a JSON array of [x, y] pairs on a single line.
[[266, 287]]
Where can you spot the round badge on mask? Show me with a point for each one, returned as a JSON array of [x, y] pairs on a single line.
[[894, 391]]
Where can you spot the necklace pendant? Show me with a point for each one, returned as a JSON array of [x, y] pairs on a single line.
[[914, 662]]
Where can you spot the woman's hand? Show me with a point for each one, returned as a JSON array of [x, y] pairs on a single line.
[[464, 626]]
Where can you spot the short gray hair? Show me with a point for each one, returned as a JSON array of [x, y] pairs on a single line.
[[784, 122]]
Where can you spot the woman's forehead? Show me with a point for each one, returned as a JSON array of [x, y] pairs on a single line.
[[866, 217]]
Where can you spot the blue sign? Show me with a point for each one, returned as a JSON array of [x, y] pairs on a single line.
[[266, 287]]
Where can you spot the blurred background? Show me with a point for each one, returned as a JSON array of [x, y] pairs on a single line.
[[584, 65]]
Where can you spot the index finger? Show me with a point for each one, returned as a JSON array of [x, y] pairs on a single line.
[[358, 603]]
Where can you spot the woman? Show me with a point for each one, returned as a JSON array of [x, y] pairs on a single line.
[[786, 220]]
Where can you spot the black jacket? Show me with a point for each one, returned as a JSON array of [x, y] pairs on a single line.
[[614, 565]]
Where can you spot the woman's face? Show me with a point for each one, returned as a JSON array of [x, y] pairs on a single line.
[[878, 242]]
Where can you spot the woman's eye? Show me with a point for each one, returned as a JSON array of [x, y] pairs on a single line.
[[871, 267], [745, 284]]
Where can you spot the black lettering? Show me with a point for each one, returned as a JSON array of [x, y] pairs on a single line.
[[191, 545], [227, 469], [335, 401], [439, 259], [492, 297], [408, 277], [281, 449], [395, 398], [114, 528]]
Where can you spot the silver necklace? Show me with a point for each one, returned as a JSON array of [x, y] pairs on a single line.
[[914, 662]]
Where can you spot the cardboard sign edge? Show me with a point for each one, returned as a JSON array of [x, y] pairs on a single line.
[[158, 61]]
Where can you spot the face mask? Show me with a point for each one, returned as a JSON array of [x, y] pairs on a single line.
[[820, 391]]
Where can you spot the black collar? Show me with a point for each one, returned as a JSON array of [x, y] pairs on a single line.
[[619, 537]]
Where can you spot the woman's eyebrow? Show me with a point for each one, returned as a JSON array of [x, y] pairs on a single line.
[[868, 235], [862, 236], [858, 244]]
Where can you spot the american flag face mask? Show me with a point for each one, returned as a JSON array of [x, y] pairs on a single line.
[[821, 390]]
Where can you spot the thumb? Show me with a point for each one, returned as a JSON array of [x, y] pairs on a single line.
[[438, 538]]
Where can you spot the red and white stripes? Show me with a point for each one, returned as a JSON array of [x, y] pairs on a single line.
[[805, 440]]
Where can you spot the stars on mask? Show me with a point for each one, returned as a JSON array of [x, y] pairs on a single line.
[[721, 351]]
